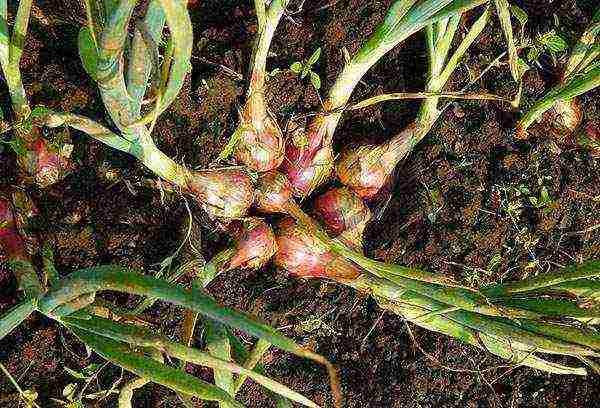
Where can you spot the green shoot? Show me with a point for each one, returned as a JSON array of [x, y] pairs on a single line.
[[581, 75], [304, 69]]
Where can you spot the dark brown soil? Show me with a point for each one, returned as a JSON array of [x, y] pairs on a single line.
[[459, 208]]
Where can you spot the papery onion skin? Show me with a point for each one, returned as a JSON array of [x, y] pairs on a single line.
[[309, 157], [260, 145], [274, 193], [223, 193], [304, 256], [565, 116], [368, 169], [255, 245], [344, 216]]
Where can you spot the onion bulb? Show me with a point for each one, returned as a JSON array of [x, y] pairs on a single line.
[[591, 137], [259, 142], [368, 169], [44, 163], [301, 254], [223, 193], [274, 193], [565, 115], [344, 216], [255, 245], [309, 156], [11, 241]]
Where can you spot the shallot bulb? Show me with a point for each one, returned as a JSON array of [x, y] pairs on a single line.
[[259, 144], [301, 254], [309, 157], [274, 193], [344, 216], [224, 193], [44, 163], [565, 115], [368, 169], [591, 137], [11, 241], [255, 245]]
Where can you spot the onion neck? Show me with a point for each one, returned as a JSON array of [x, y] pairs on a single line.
[[16, 90], [258, 68]]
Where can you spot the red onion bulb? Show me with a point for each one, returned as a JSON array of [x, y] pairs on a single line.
[[260, 145], [309, 157], [344, 216], [255, 245], [224, 193], [303, 255]]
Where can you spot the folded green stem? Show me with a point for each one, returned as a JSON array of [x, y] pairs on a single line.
[[123, 280], [139, 337]]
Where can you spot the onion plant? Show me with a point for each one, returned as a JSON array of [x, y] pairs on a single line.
[[41, 161], [563, 301], [309, 152], [72, 302], [258, 140], [581, 75], [513, 327], [368, 169], [125, 79]]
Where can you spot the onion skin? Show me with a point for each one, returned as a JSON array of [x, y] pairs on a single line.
[[309, 157], [42, 163], [274, 193], [368, 169], [260, 146], [304, 256], [344, 216], [255, 246], [566, 115], [223, 193]]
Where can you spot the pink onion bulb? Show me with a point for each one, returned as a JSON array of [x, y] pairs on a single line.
[[344, 216], [44, 163], [274, 193], [368, 169], [591, 137], [260, 145], [255, 245], [11, 241], [223, 193], [303, 255], [309, 157]]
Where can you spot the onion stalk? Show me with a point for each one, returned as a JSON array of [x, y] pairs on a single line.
[[309, 152], [222, 192], [40, 161], [368, 169], [70, 302], [581, 75], [258, 140], [225, 193], [518, 340]]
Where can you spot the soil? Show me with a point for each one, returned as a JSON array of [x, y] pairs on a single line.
[[463, 205]]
